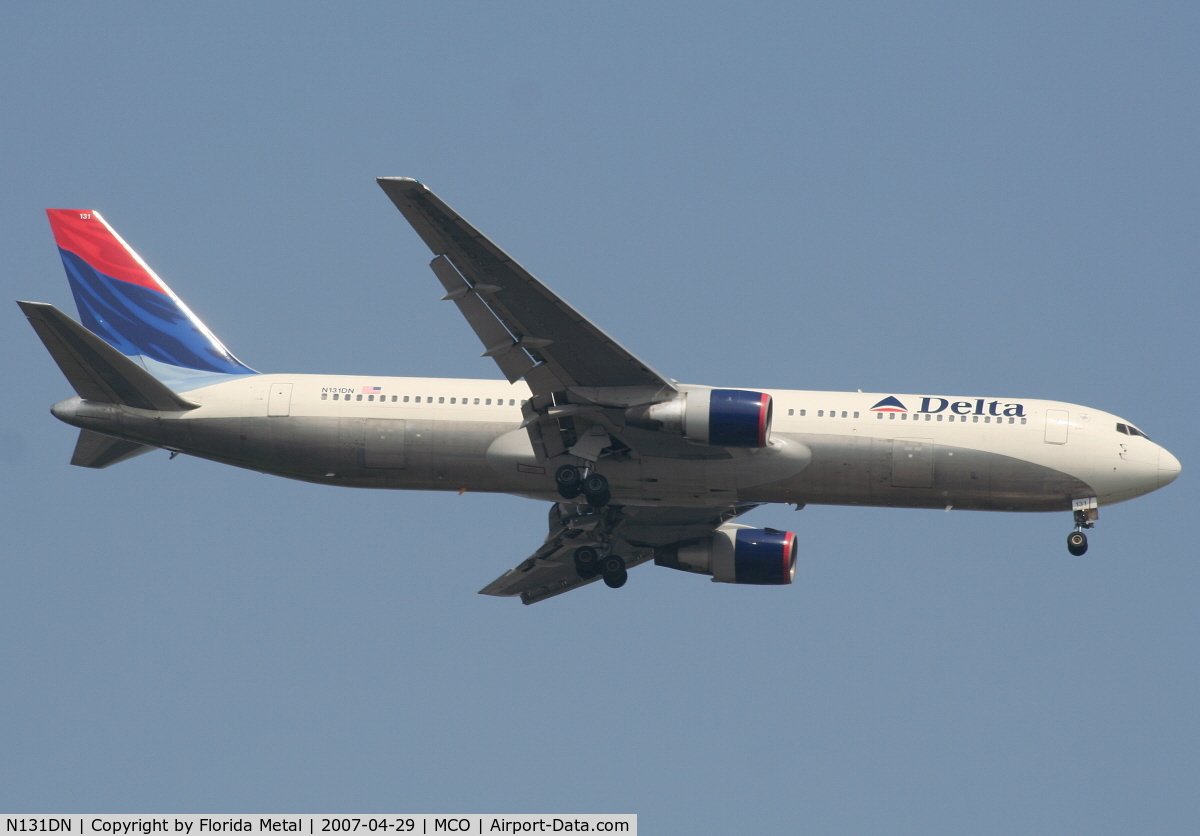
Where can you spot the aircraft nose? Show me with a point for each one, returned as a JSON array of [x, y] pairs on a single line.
[[1168, 468]]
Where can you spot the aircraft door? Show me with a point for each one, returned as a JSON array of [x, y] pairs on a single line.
[[1057, 423], [912, 463], [279, 404]]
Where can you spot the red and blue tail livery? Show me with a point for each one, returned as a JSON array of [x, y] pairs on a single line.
[[122, 300]]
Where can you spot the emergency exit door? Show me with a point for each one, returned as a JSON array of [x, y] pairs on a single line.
[[1057, 423], [279, 403]]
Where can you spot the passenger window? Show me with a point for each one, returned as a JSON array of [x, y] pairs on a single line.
[[879, 415], [856, 415], [358, 397], [441, 400], [370, 397], [987, 419], [939, 417], [903, 416], [477, 401], [393, 398], [975, 419], [843, 413], [820, 413], [803, 412], [335, 397], [1022, 420], [324, 395], [891, 415]]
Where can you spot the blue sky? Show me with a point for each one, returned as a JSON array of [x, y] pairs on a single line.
[[985, 199]]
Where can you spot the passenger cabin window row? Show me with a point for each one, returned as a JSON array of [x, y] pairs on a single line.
[[833, 413], [987, 419], [418, 399]]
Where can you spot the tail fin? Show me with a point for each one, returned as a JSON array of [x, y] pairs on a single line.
[[122, 300], [96, 370]]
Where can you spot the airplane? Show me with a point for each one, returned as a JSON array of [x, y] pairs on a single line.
[[637, 466]]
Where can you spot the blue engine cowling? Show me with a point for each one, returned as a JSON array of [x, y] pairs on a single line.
[[736, 554], [720, 417], [737, 418]]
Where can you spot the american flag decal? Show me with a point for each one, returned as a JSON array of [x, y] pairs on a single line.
[[371, 390]]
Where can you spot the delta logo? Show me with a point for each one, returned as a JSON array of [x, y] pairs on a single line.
[[889, 404], [932, 406]]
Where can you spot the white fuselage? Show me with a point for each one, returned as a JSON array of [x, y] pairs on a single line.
[[827, 447]]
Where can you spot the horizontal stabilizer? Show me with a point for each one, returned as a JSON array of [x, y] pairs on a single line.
[[96, 450], [96, 370]]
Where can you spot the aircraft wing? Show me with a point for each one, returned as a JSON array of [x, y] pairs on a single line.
[[528, 330], [630, 532]]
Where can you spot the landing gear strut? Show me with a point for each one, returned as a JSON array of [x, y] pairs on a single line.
[[1077, 543]]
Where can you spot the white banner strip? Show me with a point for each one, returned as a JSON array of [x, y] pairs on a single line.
[[321, 825]]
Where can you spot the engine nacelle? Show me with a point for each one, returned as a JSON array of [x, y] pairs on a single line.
[[720, 417], [736, 554]]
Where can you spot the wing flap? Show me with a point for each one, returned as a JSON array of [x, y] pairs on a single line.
[[566, 349], [631, 532], [498, 343]]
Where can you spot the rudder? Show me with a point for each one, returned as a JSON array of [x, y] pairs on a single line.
[[126, 304]]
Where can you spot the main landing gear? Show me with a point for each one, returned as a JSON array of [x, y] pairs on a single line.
[[571, 482], [1077, 543], [589, 564]]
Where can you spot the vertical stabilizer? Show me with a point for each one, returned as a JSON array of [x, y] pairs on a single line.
[[122, 301]]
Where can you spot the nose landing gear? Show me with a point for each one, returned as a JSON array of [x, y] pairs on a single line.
[[1086, 513]]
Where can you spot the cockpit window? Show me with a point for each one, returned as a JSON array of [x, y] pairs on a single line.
[[1130, 429]]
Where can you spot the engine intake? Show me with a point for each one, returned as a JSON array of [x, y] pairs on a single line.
[[720, 417], [736, 554]]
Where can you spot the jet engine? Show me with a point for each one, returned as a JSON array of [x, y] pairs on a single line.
[[736, 554], [720, 417]]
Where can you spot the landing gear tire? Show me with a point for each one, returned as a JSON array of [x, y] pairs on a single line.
[[1077, 543], [612, 565], [567, 480], [614, 570], [587, 562], [595, 489], [616, 580]]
